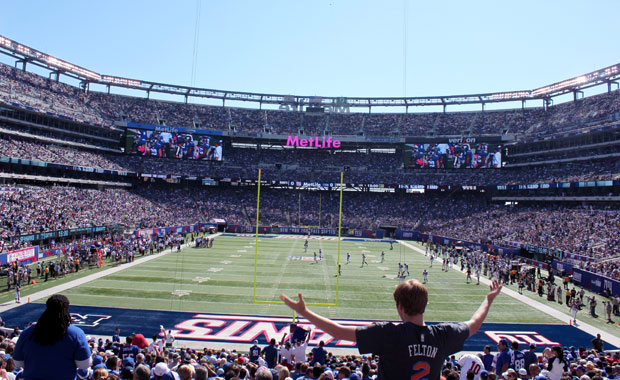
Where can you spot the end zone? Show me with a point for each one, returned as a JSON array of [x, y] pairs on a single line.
[[211, 329]]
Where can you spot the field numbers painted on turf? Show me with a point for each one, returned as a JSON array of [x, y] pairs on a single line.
[[247, 246], [390, 276], [383, 268], [215, 269], [181, 293], [200, 280], [225, 262], [241, 250], [235, 255]]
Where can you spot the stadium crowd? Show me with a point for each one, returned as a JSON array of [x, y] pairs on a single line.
[[45, 95], [134, 357], [33, 209], [315, 166]]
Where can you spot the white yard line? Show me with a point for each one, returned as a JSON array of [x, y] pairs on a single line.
[[80, 281], [615, 340]]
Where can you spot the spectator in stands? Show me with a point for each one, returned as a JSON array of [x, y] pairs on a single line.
[[53, 344], [402, 346], [556, 365], [487, 358], [530, 357]]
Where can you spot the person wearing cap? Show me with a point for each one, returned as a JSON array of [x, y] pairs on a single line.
[[160, 370], [510, 374], [530, 357], [504, 358], [523, 374], [411, 348], [580, 371], [254, 352], [53, 342]]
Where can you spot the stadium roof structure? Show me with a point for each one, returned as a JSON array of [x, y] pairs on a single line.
[[24, 55]]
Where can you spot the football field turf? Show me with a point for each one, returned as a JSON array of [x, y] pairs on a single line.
[[219, 295], [221, 280]]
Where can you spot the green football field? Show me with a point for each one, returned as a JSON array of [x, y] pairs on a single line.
[[222, 280]]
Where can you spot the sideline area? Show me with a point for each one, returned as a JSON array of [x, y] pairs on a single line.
[[80, 281], [612, 339]]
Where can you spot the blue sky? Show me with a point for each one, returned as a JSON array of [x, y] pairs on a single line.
[[327, 47]]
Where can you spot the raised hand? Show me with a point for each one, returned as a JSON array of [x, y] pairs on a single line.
[[298, 306], [495, 289]]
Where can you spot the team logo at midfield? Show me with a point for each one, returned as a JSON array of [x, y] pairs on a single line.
[[181, 293], [200, 280], [302, 258], [88, 320]]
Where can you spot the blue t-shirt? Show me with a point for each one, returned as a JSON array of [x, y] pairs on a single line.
[[504, 357], [318, 355], [53, 362], [129, 352], [271, 355], [487, 360], [530, 358]]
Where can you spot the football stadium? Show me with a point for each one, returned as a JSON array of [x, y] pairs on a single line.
[[173, 218]]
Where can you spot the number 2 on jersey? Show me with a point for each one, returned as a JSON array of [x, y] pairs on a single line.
[[423, 369]]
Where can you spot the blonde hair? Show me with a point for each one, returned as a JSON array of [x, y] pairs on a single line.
[[100, 373]]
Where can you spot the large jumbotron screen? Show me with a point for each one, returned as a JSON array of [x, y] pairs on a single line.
[[186, 146], [452, 156]]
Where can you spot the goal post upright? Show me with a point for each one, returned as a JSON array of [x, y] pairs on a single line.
[[339, 229], [254, 300], [256, 242]]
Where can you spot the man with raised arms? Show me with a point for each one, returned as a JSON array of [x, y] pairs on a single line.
[[409, 349]]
